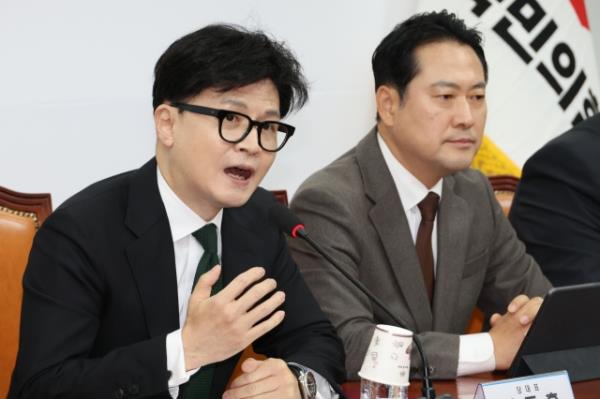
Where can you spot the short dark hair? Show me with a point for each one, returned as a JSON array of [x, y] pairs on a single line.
[[226, 57], [394, 59]]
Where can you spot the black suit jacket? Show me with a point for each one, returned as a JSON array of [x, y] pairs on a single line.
[[100, 295], [556, 209]]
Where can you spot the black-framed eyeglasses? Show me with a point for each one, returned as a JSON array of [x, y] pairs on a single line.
[[234, 127]]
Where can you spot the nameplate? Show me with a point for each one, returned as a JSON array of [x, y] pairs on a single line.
[[554, 385]]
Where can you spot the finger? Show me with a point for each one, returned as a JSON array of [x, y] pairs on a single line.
[[265, 326], [239, 284], [494, 319], [259, 372], [529, 310], [264, 309], [205, 282], [256, 293], [255, 390], [517, 303], [250, 364]]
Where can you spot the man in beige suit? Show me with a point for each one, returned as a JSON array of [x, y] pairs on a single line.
[[369, 209]]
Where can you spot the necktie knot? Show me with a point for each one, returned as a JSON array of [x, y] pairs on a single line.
[[428, 207], [207, 237]]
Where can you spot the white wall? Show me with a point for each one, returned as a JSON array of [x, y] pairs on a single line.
[[76, 78]]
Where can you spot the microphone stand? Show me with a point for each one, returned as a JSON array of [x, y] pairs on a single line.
[[427, 389]]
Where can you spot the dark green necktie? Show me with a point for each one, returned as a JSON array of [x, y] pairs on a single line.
[[207, 237], [199, 385]]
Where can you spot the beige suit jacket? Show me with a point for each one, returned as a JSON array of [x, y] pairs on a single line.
[[352, 208]]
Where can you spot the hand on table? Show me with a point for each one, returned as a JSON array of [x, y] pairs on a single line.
[[509, 329], [264, 379]]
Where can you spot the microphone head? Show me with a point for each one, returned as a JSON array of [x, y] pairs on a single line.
[[286, 220]]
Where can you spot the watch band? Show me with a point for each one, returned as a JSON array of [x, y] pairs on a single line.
[[306, 381]]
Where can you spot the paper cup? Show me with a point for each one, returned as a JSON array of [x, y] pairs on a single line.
[[388, 358]]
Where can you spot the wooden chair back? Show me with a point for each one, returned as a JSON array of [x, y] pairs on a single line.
[[504, 187]]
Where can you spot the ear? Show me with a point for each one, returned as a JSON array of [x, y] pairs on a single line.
[[388, 102], [164, 120]]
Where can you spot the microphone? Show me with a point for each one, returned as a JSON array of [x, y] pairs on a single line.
[[290, 224]]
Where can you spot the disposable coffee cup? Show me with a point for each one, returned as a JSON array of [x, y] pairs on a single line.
[[387, 360]]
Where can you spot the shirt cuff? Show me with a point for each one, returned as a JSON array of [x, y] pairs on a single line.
[[475, 354], [324, 388], [176, 360]]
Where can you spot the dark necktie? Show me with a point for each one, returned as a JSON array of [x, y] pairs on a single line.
[[428, 208], [207, 237], [199, 385]]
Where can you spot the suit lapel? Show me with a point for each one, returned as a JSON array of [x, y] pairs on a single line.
[[241, 247], [389, 220], [151, 254], [453, 232]]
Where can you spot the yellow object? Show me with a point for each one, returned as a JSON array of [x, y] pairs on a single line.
[[491, 160]]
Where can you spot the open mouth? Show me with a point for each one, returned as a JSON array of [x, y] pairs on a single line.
[[239, 173]]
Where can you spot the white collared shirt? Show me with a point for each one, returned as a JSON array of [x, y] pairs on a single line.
[[411, 192], [476, 351], [183, 222]]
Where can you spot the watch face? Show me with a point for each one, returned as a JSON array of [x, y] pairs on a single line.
[[311, 384]]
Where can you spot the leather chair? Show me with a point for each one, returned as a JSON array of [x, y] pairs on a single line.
[[504, 187], [281, 196], [20, 217]]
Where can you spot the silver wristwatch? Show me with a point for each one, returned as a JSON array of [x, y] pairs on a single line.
[[306, 381]]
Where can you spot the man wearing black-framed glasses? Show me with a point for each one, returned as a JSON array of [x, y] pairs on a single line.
[[234, 127], [150, 283]]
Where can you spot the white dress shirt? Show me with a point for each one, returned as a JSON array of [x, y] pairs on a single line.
[[188, 251], [476, 351], [183, 222]]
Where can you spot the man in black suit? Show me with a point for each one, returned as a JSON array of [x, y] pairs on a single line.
[[556, 209], [115, 302]]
